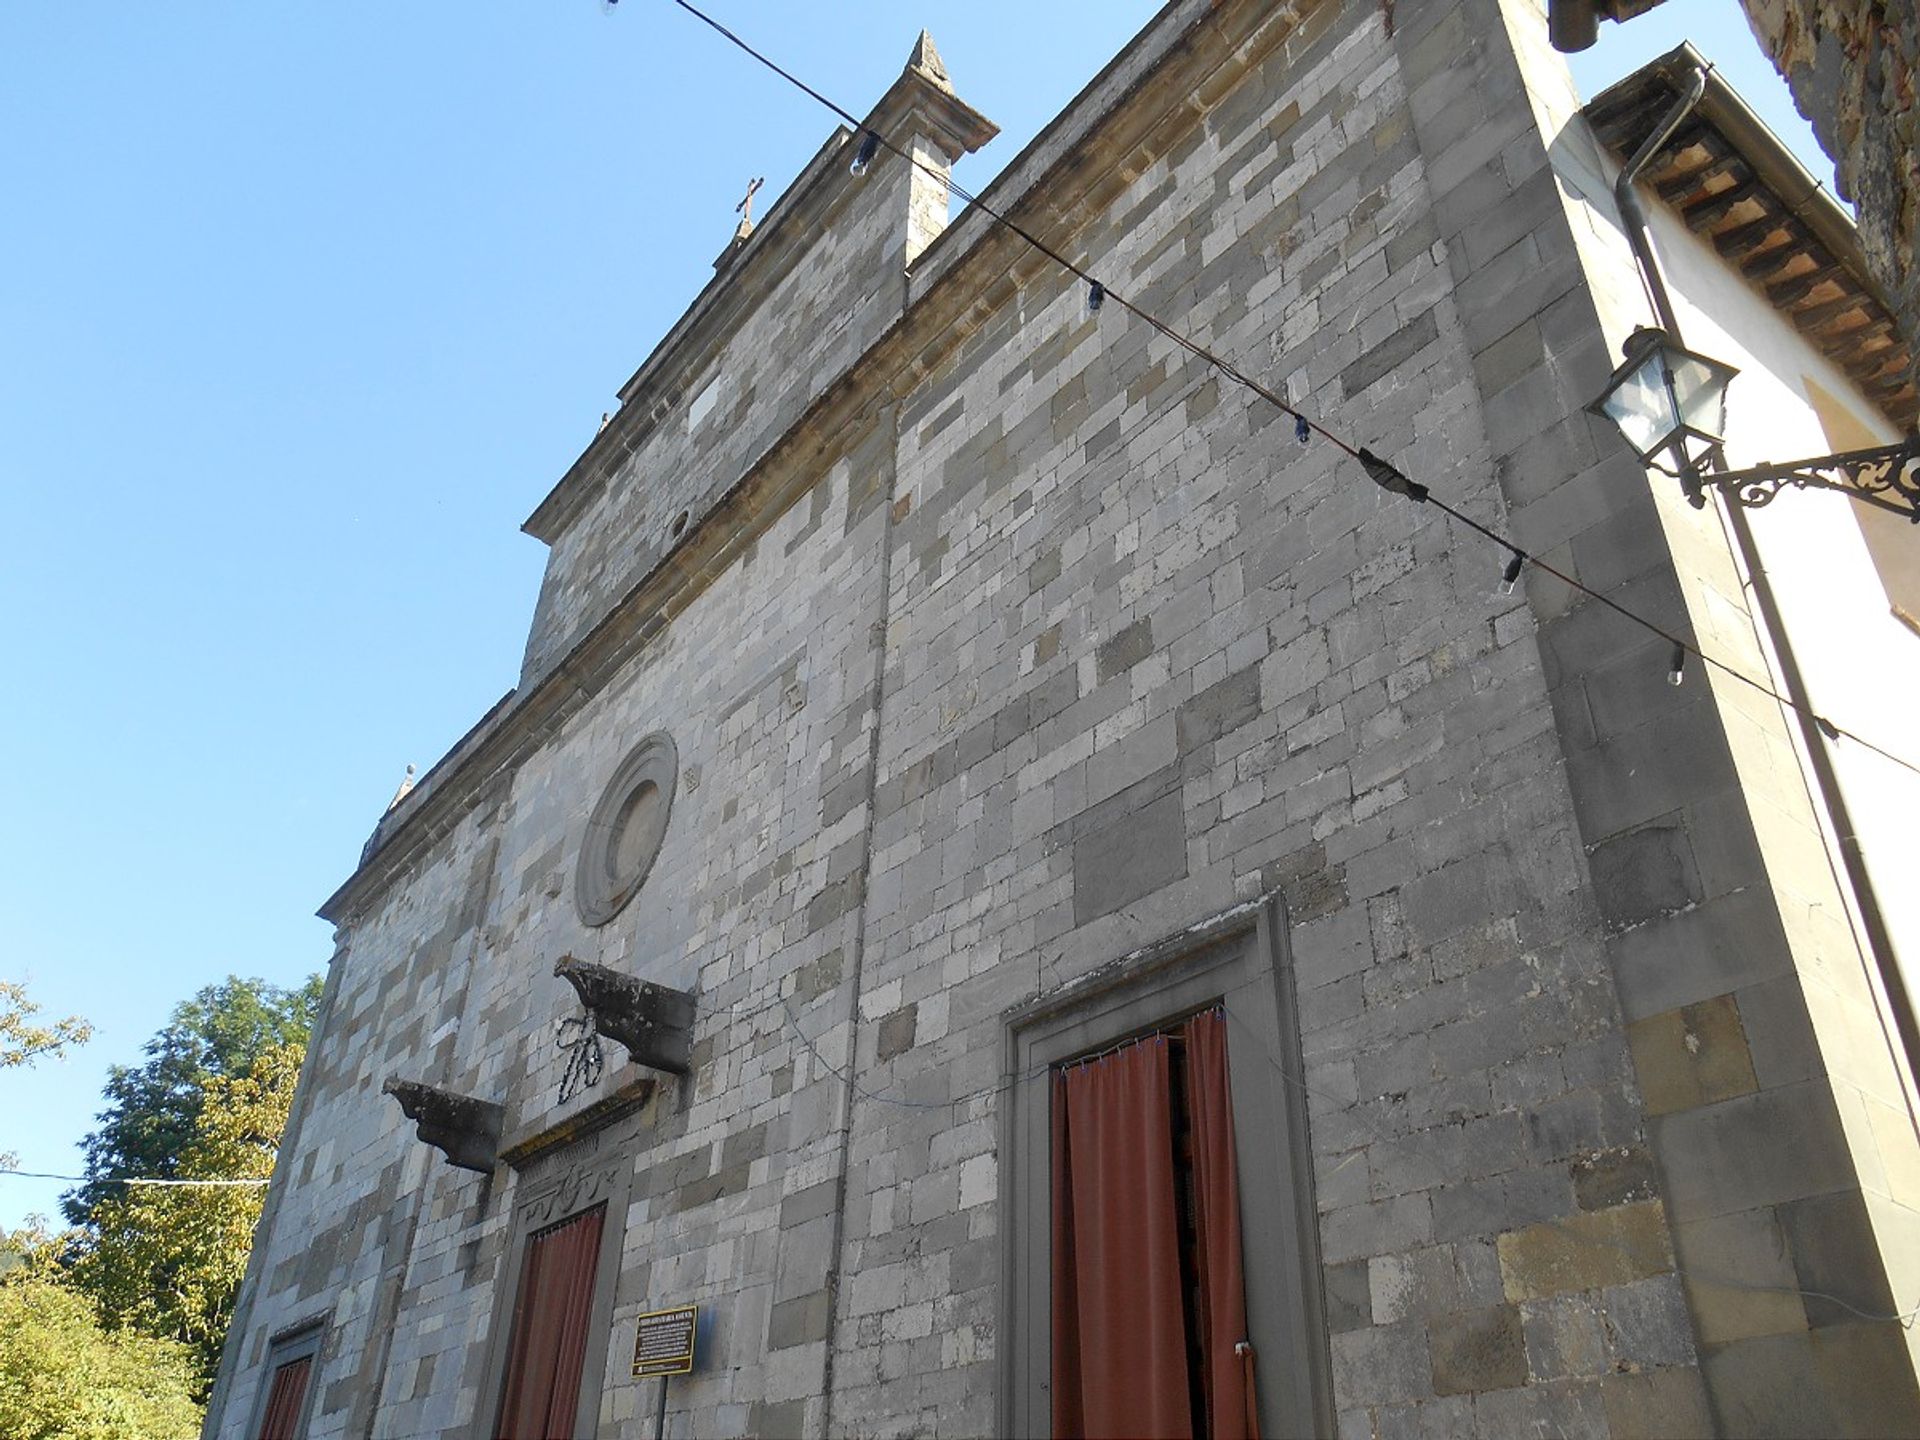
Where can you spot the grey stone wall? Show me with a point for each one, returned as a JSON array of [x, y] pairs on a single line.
[[1193, 661], [1036, 643], [1752, 1021]]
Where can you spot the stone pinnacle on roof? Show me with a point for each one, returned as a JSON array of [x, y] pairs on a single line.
[[406, 787], [926, 59]]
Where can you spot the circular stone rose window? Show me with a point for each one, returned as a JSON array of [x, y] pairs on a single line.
[[625, 830]]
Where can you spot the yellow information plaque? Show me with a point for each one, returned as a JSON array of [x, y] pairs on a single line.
[[664, 1345]]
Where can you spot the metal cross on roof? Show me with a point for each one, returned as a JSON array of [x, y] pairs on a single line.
[[745, 208]]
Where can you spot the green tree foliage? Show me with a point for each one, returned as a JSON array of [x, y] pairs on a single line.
[[63, 1376], [167, 1261], [209, 1104], [21, 1041], [152, 1108]]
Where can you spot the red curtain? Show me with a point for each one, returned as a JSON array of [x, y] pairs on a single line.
[[1119, 1337], [548, 1350], [283, 1400], [1227, 1379]]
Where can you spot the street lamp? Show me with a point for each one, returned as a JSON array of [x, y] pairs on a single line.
[[1665, 395], [1667, 398]]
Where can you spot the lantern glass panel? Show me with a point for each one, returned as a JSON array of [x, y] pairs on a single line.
[[1700, 385], [1640, 405]]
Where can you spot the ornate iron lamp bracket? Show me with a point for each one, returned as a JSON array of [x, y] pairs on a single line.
[[1887, 476]]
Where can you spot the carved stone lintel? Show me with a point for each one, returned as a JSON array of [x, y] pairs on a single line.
[[653, 1022], [465, 1128]]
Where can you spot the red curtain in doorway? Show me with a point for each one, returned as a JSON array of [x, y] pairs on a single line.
[[1228, 1374], [1119, 1337], [548, 1349], [1149, 1334], [283, 1400]]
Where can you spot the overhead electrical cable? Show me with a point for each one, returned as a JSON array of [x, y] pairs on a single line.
[[1384, 474], [128, 1180], [1381, 471]]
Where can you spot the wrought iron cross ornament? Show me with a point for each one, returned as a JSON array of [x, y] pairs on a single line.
[[579, 1036], [745, 208]]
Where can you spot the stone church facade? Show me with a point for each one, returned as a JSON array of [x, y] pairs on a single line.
[[938, 681]]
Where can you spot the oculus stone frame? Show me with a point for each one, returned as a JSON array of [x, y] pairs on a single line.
[[626, 829]]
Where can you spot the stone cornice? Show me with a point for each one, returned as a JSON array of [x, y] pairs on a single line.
[[745, 281], [747, 277], [1186, 60]]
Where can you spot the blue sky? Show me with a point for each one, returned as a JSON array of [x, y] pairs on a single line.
[[303, 308]]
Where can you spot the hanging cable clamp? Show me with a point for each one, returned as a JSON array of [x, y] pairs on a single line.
[[1388, 478]]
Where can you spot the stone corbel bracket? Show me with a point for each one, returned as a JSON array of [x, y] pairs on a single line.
[[465, 1128], [653, 1022]]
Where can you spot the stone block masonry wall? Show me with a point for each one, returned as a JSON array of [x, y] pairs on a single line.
[[344, 1222], [768, 695], [1729, 950], [767, 688], [1147, 657]]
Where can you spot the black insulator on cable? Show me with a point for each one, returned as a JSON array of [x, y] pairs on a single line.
[[1387, 478], [1510, 577]]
